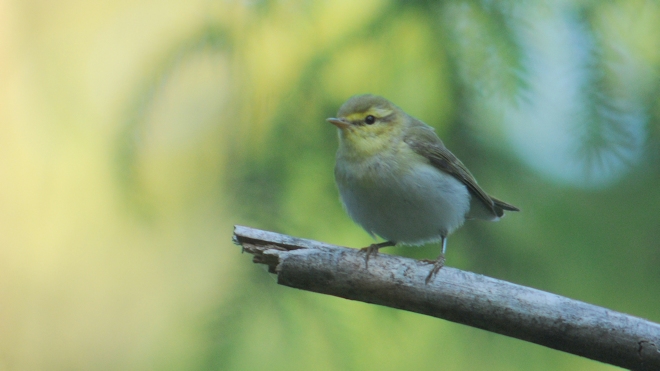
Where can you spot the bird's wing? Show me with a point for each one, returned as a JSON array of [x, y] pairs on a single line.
[[425, 142]]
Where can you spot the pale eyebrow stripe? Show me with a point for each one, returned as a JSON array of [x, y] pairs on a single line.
[[388, 118], [380, 112]]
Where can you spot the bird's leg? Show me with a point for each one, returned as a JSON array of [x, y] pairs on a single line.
[[438, 263], [373, 249]]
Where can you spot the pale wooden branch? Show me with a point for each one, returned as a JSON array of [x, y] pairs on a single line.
[[459, 296]]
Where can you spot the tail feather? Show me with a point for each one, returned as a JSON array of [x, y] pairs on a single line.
[[499, 204], [492, 211]]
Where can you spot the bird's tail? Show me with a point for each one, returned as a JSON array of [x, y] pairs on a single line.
[[499, 204]]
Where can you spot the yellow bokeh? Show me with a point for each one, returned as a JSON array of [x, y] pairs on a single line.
[[135, 134]]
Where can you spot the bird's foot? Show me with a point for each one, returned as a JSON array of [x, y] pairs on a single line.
[[373, 250], [369, 250], [437, 264]]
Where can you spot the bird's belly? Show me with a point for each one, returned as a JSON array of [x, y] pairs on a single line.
[[413, 207]]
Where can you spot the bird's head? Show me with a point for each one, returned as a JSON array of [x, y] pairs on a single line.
[[369, 124]]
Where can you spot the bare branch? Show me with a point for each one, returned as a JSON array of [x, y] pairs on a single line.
[[459, 296]]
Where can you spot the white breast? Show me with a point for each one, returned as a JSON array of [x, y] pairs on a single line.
[[412, 206]]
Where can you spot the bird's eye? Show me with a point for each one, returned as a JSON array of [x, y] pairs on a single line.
[[369, 120]]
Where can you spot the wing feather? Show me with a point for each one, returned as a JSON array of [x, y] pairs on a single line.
[[423, 140]]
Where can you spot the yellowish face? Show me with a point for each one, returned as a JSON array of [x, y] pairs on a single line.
[[370, 131]]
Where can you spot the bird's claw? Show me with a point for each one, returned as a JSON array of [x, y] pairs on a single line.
[[437, 265], [369, 250]]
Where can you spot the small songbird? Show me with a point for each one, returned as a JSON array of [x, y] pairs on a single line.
[[398, 180]]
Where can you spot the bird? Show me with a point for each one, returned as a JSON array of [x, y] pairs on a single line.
[[398, 181]]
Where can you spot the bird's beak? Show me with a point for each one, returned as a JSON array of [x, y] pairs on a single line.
[[340, 123]]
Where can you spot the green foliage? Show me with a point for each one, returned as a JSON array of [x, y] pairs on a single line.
[[588, 227]]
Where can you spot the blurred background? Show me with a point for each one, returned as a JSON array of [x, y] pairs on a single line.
[[135, 134]]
